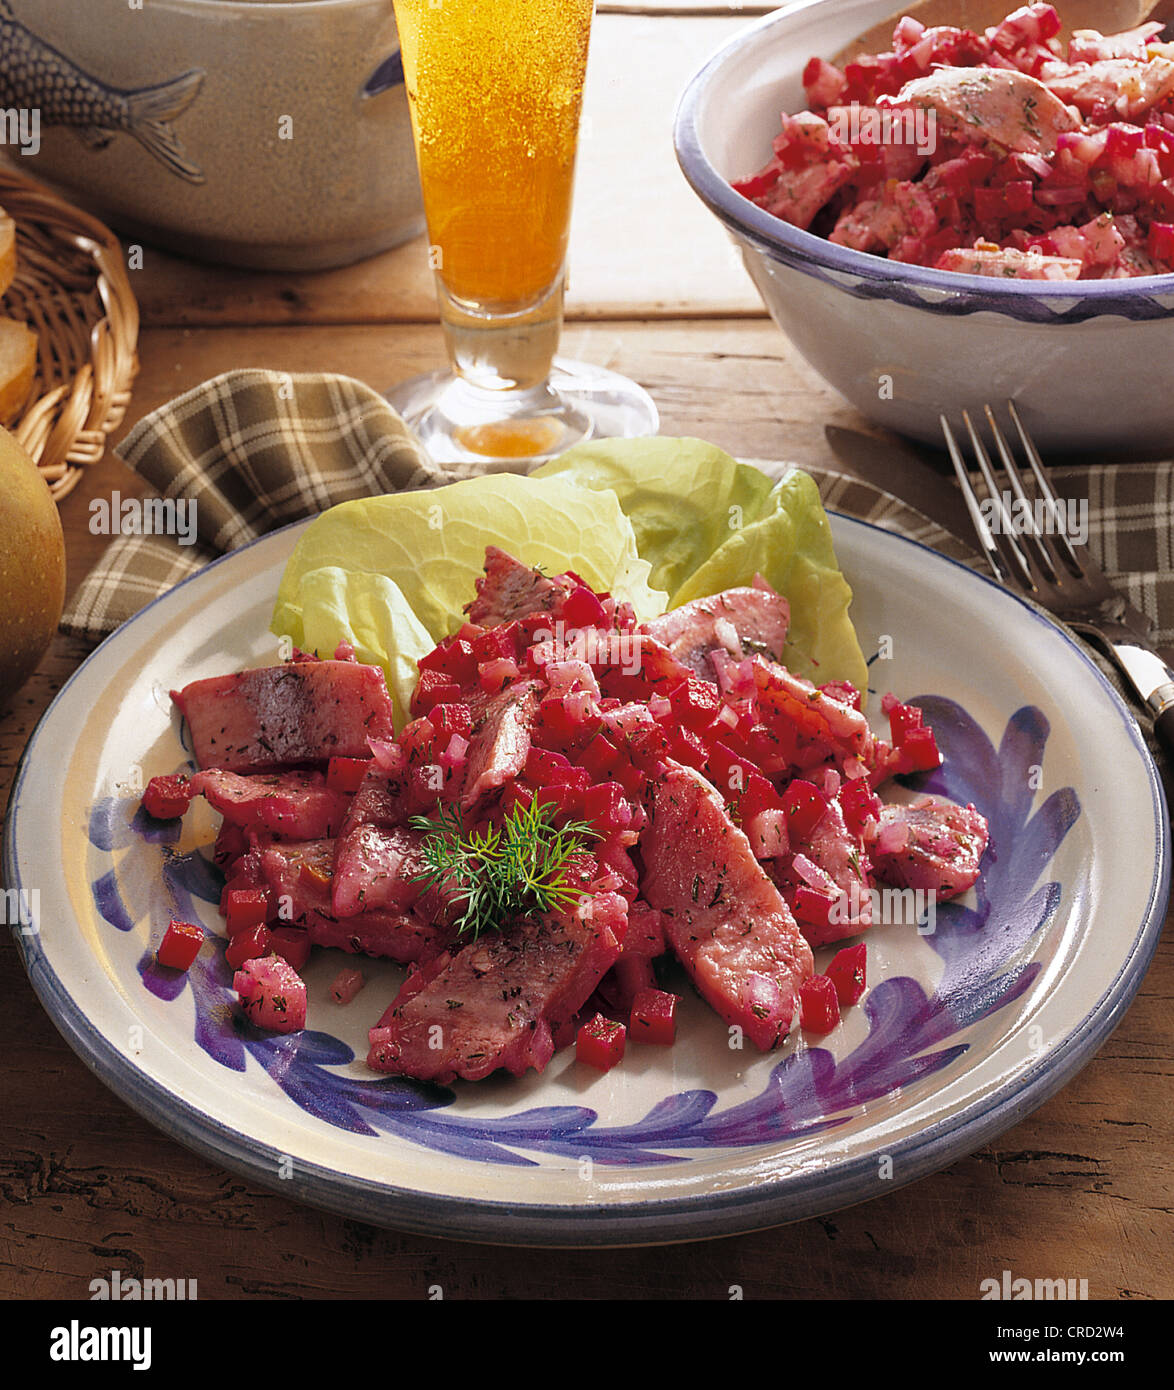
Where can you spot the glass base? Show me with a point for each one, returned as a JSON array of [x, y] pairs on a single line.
[[460, 423]]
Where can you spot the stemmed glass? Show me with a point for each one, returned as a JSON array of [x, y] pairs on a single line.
[[495, 90]]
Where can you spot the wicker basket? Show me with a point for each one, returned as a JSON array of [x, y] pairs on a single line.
[[72, 290]]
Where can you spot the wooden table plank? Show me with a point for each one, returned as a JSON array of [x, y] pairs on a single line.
[[1081, 1189], [631, 204]]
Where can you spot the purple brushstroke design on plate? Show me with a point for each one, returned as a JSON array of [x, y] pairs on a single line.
[[912, 1035]]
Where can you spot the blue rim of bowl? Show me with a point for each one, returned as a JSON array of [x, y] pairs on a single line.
[[876, 277], [757, 1206]]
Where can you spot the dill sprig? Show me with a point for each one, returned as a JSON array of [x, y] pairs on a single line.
[[517, 869]]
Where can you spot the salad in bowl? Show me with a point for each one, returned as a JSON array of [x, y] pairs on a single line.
[[966, 217], [1006, 153]]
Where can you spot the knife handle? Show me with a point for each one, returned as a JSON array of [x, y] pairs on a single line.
[[1164, 731], [1162, 702]]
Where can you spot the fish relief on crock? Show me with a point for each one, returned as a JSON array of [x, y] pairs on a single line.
[[387, 76], [912, 1033], [35, 76]]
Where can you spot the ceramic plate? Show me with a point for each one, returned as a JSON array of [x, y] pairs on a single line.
[[963, 1030]]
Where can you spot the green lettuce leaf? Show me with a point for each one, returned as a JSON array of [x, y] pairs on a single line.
[[705, 522], [682, 496]]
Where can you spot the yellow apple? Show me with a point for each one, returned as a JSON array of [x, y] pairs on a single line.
[[32, 567]]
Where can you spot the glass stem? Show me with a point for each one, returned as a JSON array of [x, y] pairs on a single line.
[[503, 352]]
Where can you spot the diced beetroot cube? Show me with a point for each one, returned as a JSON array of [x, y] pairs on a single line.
[[1160, 241], [757, 184], [425, 785], [453, 658], [606, 806], [450, 720], [819, 1005], [634, 781], [570, 720], [812, 907], [582, 608], [695, 703], [758, 795], [849, 973], [599, 758], [168, 797], [577, 778], [654, 1017], [535, 628], [859, 804], [249, 945], [346, 774], [919, 750], [805, 806], [180, 945], [272, 994], [564, 802], [902, 718], [686, 747], [600, 1042], [729, 772], [417, 739], [543, 768], [989, 204], [1122, 139], [292, 944], [245, 908], [347, 984], [434, 688], [497, 643], [649, 745]]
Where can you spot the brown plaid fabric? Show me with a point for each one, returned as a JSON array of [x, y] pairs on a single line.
[[254, 450]]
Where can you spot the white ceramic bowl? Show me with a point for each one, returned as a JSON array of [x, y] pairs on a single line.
[[280, 137], [904, 343]]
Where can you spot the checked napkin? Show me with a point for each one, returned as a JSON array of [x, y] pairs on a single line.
[[254, 450]]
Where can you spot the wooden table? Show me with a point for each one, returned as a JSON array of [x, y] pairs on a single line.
[[1080, 1189]]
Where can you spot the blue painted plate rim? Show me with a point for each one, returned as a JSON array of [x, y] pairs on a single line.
[[797, 1196]]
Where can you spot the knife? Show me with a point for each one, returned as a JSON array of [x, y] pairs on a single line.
[[1124, 637], [895, 468]]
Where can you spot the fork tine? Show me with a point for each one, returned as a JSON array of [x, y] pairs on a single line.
[[1038, 543], [1073, 553], [986, 537], [1029, 573]]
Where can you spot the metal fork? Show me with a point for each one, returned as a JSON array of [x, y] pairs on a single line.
[[1048, 566]]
